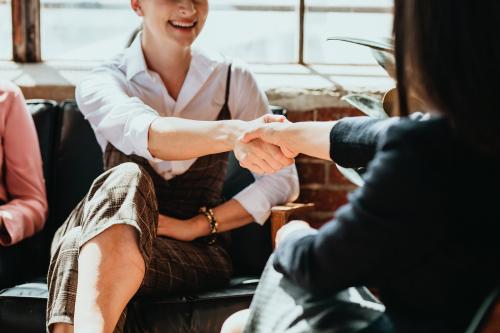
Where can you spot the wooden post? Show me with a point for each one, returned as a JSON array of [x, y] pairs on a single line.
[[26, 30], [281, 214], [302, 14]]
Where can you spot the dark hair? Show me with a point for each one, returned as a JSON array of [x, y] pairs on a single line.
[[448, 52]]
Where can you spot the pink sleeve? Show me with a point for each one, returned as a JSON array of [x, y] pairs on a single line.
[[26, 210]]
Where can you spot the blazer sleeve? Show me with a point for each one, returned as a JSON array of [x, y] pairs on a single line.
[[354, 140], [378, 233]]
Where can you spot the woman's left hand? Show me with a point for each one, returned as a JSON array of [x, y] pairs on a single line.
[[183, 230], [289, 228]]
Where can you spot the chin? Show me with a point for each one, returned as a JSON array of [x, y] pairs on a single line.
[[185, 42]]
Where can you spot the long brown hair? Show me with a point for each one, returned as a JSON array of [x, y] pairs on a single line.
[[448, 52]]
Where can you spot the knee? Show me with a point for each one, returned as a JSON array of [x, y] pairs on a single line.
[[123, 176], [71, 239], [67, 245], [117, 244], [129, 172]]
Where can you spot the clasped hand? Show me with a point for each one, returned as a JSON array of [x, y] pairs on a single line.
[[259, 148]]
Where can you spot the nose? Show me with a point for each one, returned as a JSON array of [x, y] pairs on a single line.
[[187, 8]]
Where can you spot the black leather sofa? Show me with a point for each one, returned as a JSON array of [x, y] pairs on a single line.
[[72, 159]]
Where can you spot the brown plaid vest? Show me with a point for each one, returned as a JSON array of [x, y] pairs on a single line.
[[201, 185]]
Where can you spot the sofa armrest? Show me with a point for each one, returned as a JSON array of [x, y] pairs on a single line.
[[281, 214]]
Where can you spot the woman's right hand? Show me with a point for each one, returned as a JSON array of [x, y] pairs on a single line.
[[269, 129], [257, 155], [261, 157]]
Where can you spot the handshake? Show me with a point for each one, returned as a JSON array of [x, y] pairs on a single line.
[[264, 148]]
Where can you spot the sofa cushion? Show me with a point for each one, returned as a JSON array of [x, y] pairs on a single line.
[[22, 308], [250, 245], [45, 113], [76, 163]]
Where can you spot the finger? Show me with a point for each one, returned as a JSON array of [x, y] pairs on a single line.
[[278, 155], [271, 154], [272, 118], [252, 167], [256, 169], [277, 160], [267, 155], [252, 135], [288, 153], [261, 163]]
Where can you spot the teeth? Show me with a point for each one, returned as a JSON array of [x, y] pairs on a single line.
[[183, 24]]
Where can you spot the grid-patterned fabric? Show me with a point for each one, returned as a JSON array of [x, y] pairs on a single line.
[[182, 196], [125, 195], [130, 192]]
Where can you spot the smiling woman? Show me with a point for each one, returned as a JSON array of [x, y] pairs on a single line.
[[165, 115], [108, 24]]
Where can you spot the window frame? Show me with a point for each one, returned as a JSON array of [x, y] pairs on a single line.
[[26, 26]]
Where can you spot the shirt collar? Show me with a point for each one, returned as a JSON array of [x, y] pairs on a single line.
[[133, 59], [202, 66]]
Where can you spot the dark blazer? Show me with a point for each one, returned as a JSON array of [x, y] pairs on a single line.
[[424, 229]]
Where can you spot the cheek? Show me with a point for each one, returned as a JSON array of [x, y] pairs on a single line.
[[200, 25], [202, 11], [202, 19]]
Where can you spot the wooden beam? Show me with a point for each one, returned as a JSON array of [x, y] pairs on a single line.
[[302, 14], [26, 30], [281, 214]]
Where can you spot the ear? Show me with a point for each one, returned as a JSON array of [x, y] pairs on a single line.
[[136, 6]]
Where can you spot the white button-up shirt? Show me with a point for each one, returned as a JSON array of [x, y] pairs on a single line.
[[121, 99]]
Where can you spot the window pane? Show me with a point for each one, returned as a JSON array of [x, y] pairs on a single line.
[[349, 18], [85, 30], [5, 30], [94, 30], [254, 30]]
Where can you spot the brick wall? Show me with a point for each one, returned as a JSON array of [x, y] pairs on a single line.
[[320, 181]]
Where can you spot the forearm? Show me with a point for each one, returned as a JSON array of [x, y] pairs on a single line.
[[229, 215], [21, 218], [173, 139], [309, 138]]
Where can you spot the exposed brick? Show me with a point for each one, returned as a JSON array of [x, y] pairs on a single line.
[[325, 200], [329, 114], [336, 178], [296, 116], [311, 173], [317, 219]]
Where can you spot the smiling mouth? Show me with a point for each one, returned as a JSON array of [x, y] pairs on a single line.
[[183, 25]]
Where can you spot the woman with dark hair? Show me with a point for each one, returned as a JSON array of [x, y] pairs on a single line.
[[424, 228]]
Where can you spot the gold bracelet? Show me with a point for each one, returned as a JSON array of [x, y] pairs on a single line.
[[210, 216]]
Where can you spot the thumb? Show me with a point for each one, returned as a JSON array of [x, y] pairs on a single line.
[[288, 153], [251, 135]]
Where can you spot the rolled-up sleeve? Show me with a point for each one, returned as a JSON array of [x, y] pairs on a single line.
[[267, 191], [115, 115], [25, 211]]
